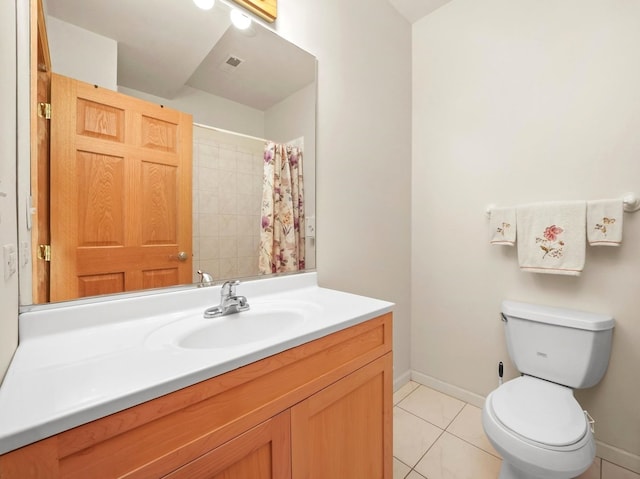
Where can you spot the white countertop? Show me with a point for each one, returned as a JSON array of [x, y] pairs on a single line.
[[81, 362]]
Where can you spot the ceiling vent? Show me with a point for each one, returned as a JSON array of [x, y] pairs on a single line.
[[231, 63]]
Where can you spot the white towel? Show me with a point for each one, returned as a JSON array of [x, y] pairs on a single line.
[[502, 225], [552, 237], [604, 222]]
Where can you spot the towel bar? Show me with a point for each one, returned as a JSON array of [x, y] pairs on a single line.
[[630, 203]]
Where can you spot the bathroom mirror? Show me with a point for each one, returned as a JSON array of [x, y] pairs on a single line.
[[241, 87]]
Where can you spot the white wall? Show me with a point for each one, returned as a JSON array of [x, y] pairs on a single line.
[[363, 148], [518, 102], [8, 223], [210, 110], [83, 55]]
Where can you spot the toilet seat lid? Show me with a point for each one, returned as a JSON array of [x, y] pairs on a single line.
[[539, 410]]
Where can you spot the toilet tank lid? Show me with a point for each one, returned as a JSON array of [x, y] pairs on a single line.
[[563, 317]]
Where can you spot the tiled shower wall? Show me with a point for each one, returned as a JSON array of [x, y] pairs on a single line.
[[227, 192]]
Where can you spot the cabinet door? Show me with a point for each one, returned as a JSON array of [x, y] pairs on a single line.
[[345, 430], [263, 452]]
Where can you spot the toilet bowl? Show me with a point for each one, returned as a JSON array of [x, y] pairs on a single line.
[[539, 429], [534, 421]]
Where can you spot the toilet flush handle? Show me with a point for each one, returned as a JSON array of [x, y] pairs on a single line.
[[591, 422]]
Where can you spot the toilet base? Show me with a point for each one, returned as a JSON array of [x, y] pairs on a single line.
[[509, 471]]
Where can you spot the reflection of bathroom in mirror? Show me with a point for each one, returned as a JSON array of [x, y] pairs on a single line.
[[241, 88]]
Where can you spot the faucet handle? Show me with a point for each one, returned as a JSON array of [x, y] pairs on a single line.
[[229, 288]]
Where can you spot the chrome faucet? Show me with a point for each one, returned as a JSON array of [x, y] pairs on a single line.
[[230, 302], [205, 279]]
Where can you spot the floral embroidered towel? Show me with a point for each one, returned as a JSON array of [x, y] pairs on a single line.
[[604, 222], [552, 237], [502, 225]]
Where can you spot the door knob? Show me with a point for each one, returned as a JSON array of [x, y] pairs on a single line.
[[182, 256]]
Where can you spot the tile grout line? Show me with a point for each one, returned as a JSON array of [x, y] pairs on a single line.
[[442, 431], [463, 439], [472, 444], [401, 461], [421, 418], [408, 394], [411, 469], [455, 417]]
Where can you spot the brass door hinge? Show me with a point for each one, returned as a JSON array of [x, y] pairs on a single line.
[[44, 252], [44, 110]]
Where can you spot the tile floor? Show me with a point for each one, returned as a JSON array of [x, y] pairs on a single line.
[[436, 436]]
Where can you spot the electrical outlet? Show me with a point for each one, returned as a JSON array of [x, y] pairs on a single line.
[[24, 253], [310, 226], [10, 260]]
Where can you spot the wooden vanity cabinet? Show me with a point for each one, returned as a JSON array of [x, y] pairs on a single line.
[[319, 410]]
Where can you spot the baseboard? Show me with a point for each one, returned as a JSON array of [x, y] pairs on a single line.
[[619, 457], [401, 380], [607, 452], [449, 389]]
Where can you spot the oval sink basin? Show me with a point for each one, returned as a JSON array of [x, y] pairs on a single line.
[[240, 328], [265, 321]]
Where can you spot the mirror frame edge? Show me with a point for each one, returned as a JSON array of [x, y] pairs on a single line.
[[24, 14]]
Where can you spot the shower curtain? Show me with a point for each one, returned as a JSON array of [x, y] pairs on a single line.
[[282, 233]]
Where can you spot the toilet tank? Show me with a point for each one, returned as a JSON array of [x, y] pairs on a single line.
[[561, 345]]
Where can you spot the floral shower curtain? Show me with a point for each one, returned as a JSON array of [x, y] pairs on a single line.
[[282, 233]]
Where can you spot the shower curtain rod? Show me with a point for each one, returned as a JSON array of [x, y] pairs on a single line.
[[221, 130]]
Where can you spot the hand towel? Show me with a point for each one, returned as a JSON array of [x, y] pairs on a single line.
[[502, 225], [552, 237], [604, 222]]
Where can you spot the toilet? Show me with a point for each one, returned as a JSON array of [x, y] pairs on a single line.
[[534, 421]]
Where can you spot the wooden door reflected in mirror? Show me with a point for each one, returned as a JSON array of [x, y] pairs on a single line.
[[122, 168]]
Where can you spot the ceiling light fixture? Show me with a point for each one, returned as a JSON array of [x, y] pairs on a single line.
[[240, 20], [205, 4]]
